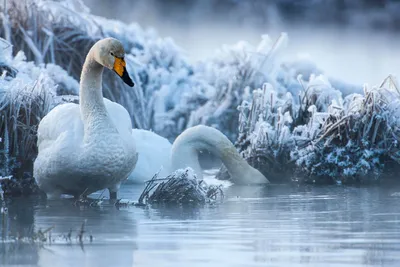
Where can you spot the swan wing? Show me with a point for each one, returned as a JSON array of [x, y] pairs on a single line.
[[120, 117], [66, 119], [63, 120]]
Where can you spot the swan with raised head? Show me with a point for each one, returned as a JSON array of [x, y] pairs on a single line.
[[156, 153], [88, 147]]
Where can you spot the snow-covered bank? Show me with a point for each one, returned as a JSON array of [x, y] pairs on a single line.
[[276, 125]]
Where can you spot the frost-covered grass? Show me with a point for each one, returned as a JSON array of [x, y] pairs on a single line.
[[359, 139], [321, 136], [179, 188], [232, 72], [266, 125], [27, 94]]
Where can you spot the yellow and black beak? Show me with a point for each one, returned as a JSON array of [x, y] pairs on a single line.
[[120, 69]]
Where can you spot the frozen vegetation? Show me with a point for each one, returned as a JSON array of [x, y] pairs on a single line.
[[321, 136], [180, 187], [285, 116]]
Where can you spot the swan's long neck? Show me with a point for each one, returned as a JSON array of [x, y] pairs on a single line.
[[93, 111], [186, 146]]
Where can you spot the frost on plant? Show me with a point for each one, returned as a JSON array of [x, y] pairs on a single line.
[[278, 119], [319, 135], [358, 142], [231, 73], [180, 187], [27, 93]]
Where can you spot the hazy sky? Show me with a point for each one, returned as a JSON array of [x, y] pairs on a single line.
[[349, 52]]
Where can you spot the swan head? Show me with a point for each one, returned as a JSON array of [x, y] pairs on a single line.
[[110, 53], [254, 176]]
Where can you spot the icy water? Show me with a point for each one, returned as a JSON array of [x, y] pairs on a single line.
[[278, 225]]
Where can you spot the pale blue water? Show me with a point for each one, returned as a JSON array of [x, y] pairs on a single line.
[[278, 225]]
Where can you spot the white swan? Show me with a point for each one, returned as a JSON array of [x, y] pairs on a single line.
[[88, 147], [156, 152]]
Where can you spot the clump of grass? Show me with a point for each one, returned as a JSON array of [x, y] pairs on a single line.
[[358, 142], [22, 106], [321, 137], [180, 188], [267, 123], [265, 145], [23, 103]]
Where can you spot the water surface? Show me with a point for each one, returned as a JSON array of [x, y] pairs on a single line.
[[278, 225]]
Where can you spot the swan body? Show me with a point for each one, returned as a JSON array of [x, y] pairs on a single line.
[[87, 147], [154, 156], [183, 153]]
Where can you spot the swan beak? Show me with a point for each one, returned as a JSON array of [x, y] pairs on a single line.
[[120, 69]]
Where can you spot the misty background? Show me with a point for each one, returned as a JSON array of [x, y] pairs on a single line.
[[356, 41]]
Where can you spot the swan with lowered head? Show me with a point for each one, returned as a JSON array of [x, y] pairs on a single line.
[[156, 152], [88, 147]]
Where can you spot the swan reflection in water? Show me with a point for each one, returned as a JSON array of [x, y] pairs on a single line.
[[114, 233]]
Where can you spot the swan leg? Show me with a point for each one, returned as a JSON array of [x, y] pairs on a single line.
[[113, 195], [114, 190], [80, 196]]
